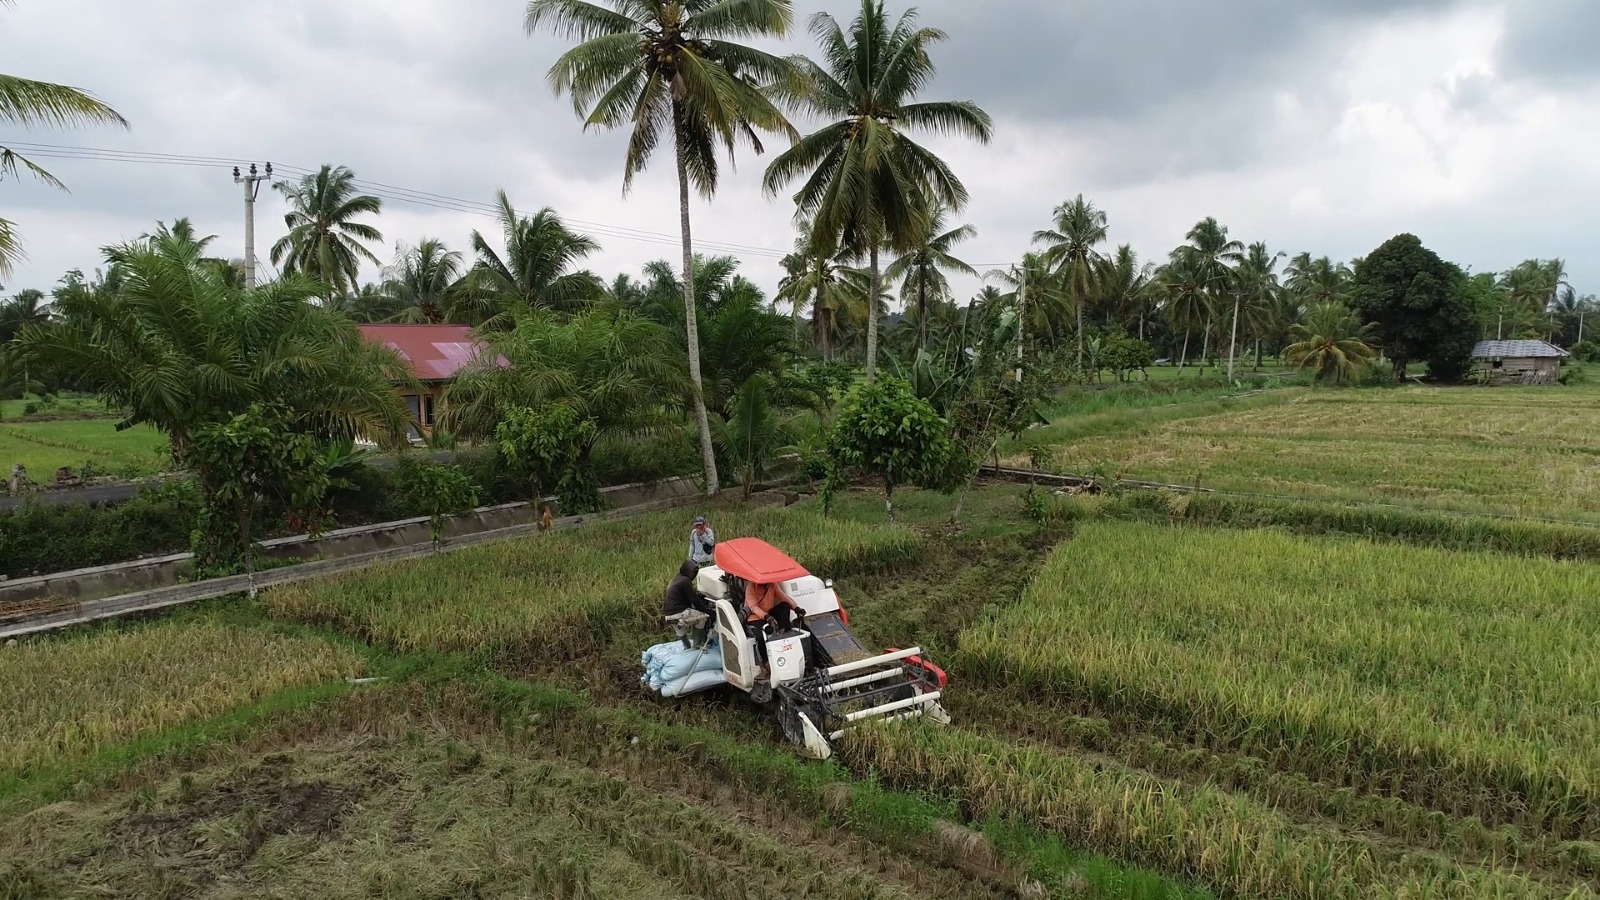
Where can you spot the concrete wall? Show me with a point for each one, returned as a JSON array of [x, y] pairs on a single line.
[[147, 574]]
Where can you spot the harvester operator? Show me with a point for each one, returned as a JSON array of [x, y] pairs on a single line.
[[764, 601]]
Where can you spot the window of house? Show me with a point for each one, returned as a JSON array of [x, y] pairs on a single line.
[[427, 410], [1496, 364]]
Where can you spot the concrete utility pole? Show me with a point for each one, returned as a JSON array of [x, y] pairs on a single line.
[[252, 186], [1022, 314]]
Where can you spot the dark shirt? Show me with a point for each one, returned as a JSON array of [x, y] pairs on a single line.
[[680, 596]]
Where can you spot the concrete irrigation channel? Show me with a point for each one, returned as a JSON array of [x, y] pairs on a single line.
[[50, 602]]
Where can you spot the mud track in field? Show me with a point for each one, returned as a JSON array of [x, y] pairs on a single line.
[[431, 800]]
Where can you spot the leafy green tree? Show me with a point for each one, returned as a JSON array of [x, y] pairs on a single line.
[[25, 308], [920, 269], [1182, 284], [538, 271], [1123, 355], [251, 466], [31, 104], [813, 278], [885, 432], [546, 445], [1419, 303], [440, 491], [1128, 288], [1332, 343], [674, 70], [1080, 226], [174, 345], [324, 242], [424, 282], [869, 182]]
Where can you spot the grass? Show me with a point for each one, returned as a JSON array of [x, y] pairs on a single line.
[[70, 697], [1462, 681], [1527, 452], [557, 596], [92, 444]]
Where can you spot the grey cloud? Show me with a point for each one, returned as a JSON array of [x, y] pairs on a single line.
[[1552, 40]]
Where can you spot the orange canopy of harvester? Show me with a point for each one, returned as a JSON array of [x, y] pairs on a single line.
[[756, 561]]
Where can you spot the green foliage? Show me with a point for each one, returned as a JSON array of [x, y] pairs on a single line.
[[1122, 355], [250, 467], [177, 346], [753, 434], [548, 445], [324, 242], [36, 539], [439, 491], [1421, 305], [885, 432], [1587, 351], [1332, 343]]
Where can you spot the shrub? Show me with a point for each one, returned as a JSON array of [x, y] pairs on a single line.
[[36, 540]]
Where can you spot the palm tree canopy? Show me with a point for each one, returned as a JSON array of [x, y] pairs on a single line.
[[869, 182], [1214, 255], [1332, 343], [920, 270], [324, 242], [1080, 227], [612, 367], [673, 69], [424, 281], [537, 270], [34, 104], [176, 346]]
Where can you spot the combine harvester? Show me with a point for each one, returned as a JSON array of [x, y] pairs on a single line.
[[823, 680]]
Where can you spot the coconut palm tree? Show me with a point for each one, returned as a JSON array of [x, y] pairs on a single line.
[[424, 281], [1035, 299], [178, 348], [1215, 258], [866, 180], [537, 271], [1189, 304], [1128, 287], [26, 307], [324, 242], [1256, 293], [674, 70], [920, 270], [1319, 280], [1080, 226], [1332, 343], [30, 104], [815, 278]]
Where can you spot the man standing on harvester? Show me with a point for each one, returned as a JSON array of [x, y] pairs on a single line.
[[702, 540]]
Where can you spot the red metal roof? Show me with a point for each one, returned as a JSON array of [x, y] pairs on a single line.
[[436, 352], [756, 561]]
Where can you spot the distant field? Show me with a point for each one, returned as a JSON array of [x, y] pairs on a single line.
[[1463, 681], [46, 446], [1516, 451]]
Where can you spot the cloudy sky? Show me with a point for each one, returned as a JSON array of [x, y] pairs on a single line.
[[1321, 125]]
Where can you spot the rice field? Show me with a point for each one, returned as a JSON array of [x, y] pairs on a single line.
[[1528, 452], [550, 597], [1466, 682], [46, 446], [70, 697]]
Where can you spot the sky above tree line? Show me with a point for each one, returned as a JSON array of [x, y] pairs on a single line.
[[1310, 125]]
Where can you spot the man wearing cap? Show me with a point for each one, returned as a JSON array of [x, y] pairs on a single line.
[[701, 540]]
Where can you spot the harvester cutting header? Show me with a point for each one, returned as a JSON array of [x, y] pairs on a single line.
[[760, 622]]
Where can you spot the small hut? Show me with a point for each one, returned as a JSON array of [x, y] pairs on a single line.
[[1517, 362]]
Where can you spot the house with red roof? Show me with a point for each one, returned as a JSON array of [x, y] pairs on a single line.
[[436, 353]]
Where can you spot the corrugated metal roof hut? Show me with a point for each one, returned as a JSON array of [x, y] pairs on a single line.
[[1517, 362]]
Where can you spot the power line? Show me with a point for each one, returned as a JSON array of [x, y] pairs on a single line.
[[378, 189]]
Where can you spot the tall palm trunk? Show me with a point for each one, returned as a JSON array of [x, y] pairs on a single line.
[[1078, 296], [922, 312], [691, 328], [1233, 340], [876, 288], [1183, 360], [822, 324]]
